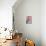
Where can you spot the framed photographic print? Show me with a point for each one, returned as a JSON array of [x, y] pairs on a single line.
[[29, 20]]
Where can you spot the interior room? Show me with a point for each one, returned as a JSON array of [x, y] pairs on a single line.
[[22, 22]]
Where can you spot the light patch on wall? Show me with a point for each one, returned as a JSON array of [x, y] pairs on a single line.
[[29, 20]]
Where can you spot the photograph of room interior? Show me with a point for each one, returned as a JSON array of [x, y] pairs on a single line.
[[22, 22]]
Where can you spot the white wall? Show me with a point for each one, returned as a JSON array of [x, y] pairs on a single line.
[[6, 13], [43, 22], [29, 8]]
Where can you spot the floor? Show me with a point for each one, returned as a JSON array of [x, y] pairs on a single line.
[[9, 43]]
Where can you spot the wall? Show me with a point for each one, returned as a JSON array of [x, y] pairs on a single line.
[[29, 8], [6, 13], [43, 22]]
